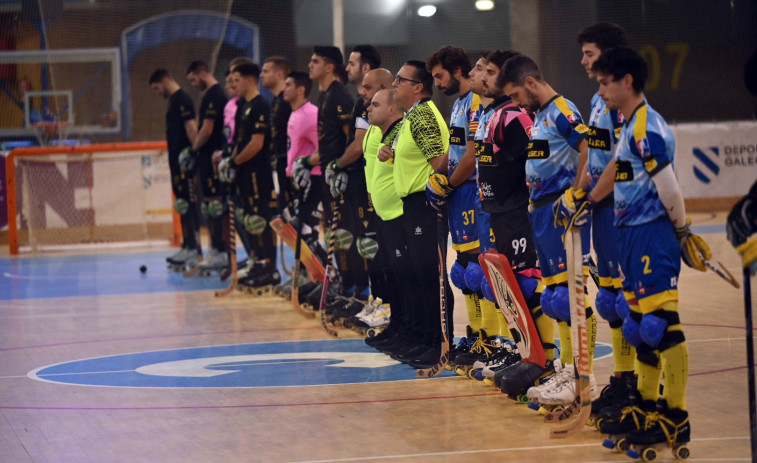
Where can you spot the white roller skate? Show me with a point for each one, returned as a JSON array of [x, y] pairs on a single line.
[[563, 391], [214, 263], [374, 319]]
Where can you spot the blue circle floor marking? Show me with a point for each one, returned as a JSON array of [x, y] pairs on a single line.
[[279, 364]]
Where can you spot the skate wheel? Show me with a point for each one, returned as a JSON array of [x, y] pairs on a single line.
[[681, 452], [590, 422], [621, 445], [649, 454], [472, 372], [462, 371], [598, 423], [488, 382], [524, 399], [371, 332], [449, 367]]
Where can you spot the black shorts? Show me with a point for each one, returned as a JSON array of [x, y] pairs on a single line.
[[514, 238], [254, 188], [212, 187], [358, 216]]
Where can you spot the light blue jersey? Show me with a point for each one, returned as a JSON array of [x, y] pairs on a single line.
[[645, 146], [463, 124], [604, 128], [553, 150]]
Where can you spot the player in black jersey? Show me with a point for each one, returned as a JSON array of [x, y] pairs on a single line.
[[346, 176], [210, 138], [181, 130], [253, 176], [334, 106], [273, 76]]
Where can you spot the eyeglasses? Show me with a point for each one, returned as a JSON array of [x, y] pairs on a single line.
[[399, 79]]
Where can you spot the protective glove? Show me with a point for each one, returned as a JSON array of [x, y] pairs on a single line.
[[301, 172], [438, 189], [694, 250]]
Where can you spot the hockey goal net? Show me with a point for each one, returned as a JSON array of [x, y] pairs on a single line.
[[88, 195]]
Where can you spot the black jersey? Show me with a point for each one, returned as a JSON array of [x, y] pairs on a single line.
[[211, 107], [359, 120], [254, 117], [280, 111], [334, 106], [180, 109], [502, 157]]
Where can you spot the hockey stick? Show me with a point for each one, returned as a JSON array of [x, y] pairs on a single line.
[[580, 337], [298, 263], [441, 248], [232, 250], [750, 360], [330, 269], [722, 272], [287, 270]]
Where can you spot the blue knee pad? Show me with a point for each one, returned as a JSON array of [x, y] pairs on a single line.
[[527, 285], [473, 276], [605, 305], [631, 332], [621, 306], [486, 289], [561, 303], [652, 329], [457, 276], [546, 302]]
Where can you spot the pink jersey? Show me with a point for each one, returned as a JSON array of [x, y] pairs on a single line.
[[229, 111], [302, 130]]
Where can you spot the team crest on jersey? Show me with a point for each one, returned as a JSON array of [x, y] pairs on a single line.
[[529, 131], [572, 118]]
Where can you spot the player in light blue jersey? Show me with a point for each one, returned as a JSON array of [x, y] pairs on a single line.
[[654, 234], [604, 127], [457, 190], [557, 152]]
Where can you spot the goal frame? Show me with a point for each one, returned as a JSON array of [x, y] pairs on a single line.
[[10, 174]]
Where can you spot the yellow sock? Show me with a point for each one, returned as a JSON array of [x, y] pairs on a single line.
[[546, 328], [622, 352], [504, 328], [474, 311], [489, 319], [649, 380], [591, 331], [566, 347], [675, 363]]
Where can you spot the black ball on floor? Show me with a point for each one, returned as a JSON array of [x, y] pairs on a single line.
[[143, 268]]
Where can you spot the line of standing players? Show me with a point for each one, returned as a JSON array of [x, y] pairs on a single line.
[[512, 169]]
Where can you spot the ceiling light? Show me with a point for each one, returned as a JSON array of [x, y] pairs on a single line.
[[484, 5], [427, 11]]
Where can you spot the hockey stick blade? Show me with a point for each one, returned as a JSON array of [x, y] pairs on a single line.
[[722, 272], [572, 426], [439, 367]]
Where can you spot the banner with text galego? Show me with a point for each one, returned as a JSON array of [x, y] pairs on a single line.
[[716, 160]]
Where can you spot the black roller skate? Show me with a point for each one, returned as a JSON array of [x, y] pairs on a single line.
[[304, 292], [355, 304], [504, 357], [462, 346], [517, 378], [663, 428], [615, 395], [630, 419], [481, 350], [263, 283]]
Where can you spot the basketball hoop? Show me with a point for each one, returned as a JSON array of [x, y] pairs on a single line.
[[49, 130]]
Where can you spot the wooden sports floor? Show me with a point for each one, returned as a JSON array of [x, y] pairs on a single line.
[[99, 363]]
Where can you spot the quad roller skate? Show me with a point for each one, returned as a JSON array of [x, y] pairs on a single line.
[[176, 257], [462, 346], [663, 428], [631, 418], [263, 283], [504, 356], [517, 378], [356, 302], [183, 262], [215, 263], [613, 395], [284, 289], [481, 350], [373, 320], [557, 395]]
